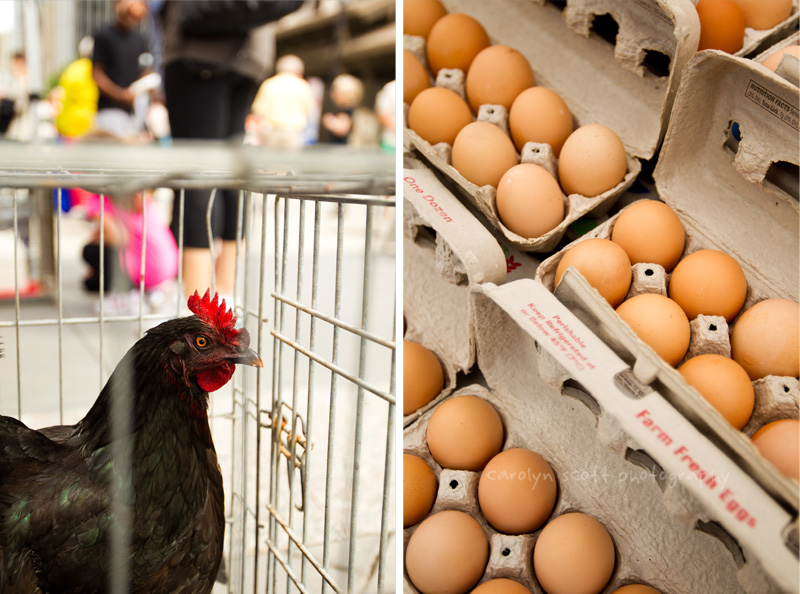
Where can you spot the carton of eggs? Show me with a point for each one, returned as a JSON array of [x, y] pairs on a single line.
[[528, 520], [517, 123], [697, 289]]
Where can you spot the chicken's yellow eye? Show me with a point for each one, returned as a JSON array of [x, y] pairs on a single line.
[[201, 341]]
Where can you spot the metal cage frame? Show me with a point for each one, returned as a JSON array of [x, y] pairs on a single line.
[[272, 424]]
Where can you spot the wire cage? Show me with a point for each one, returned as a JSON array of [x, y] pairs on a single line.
[[305, 443]]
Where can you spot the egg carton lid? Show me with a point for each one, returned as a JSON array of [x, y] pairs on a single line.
[[445, 250], [677, 446], [600, 84], [729, 166], [469, 253]]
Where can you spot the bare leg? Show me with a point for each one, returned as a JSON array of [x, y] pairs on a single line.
[[226, 268], [196, 270]]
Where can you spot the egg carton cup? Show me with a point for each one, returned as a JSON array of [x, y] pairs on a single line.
[[538, 353], [416, 45], [649, 541]]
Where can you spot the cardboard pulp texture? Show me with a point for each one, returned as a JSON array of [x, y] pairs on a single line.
[[445, 249], [738, 196], [621, 83], [538, 357]]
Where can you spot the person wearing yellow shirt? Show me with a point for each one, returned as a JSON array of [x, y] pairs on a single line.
[[79, 99]]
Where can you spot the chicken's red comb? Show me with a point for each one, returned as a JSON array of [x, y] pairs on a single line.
[[215, 314]]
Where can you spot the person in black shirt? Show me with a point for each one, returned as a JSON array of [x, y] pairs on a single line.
[[346, 94], [115, 65]]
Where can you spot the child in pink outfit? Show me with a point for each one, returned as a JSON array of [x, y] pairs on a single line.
[[123, 234]]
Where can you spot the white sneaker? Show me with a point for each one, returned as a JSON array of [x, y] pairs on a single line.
[[121, 304], [162, 298]]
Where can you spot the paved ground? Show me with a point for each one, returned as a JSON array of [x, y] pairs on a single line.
[[76, 360]]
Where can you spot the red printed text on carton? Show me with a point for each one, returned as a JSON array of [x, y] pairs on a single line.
[[694, 469], [412, 183]]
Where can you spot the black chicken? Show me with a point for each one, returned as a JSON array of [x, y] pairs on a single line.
[[133, 492]]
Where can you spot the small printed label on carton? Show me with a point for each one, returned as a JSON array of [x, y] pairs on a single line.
[[628, 384], [783, 110]]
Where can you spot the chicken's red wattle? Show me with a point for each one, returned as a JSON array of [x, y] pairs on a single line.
[[213, 379]]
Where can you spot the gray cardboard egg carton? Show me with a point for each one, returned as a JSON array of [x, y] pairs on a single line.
[[556, 402], [445, 249], [722, 192], [601, 82], [651, 545]]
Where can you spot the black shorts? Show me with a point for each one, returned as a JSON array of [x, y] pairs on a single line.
[[114, 279], [205, 102]]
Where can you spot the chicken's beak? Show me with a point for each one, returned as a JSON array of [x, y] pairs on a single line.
[[247, 356]]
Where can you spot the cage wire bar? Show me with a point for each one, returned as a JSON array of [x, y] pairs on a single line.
[[309, 438]]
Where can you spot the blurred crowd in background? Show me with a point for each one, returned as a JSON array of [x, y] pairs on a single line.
[[314, 71], [291, 108]]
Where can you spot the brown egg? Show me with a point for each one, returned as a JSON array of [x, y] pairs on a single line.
[[415, 77], [454, 41], [496, 76], [724, 383], [517, 491], [419, 16], [708, 282], [423, 377], [438, 115], [766, 339], [501, 586], [779, 442], [659, 322], [636, 589], [775, 57], [592, 161], [482, 153], [573, 555], [464, 433], [603, 264], [529, 200], [764, 14], [539, 114], [419, 489], [650, 232], [447, 553], [721, 25]]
